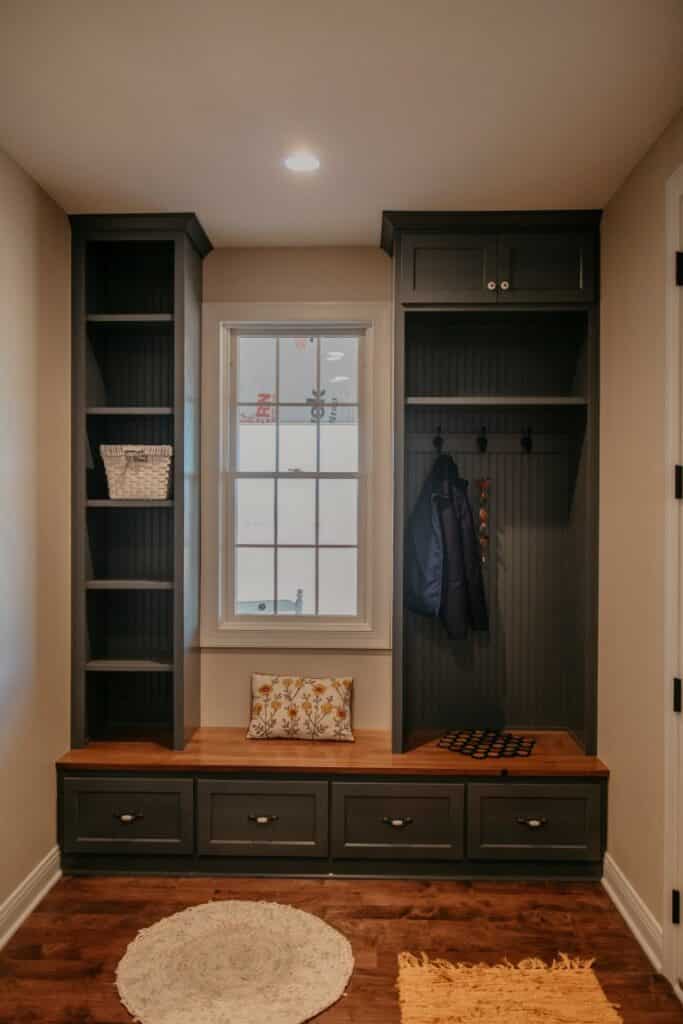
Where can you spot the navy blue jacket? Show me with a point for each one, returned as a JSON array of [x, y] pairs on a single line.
[[443, 558]]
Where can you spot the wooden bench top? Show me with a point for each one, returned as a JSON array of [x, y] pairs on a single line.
[[227, 750]]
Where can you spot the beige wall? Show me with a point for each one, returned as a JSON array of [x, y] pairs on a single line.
[[34, 526], [634, 483], [360, 274], [315, 274]]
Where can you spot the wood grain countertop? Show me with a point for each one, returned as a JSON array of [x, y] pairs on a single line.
[[227, 750]]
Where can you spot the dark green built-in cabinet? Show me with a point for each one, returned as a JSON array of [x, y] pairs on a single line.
[[496, 347], [136, 311]]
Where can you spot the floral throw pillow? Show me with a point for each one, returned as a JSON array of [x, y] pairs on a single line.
[[294, 708]]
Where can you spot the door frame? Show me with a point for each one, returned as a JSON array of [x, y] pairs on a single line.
[[672, 935]]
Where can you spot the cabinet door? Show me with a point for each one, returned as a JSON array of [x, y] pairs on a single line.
[[448, 268], [546, 267]]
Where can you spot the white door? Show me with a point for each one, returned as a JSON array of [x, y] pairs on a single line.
[[678, 719]]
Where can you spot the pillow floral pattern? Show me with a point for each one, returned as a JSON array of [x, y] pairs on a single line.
[[297, 708]]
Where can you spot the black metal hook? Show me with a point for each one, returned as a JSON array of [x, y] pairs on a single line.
[[526, 441], [482, 440], [438, 440]]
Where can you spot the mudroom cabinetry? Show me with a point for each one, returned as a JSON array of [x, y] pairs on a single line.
[[228, 805], [496, 364], [472, 258], [136, 288]]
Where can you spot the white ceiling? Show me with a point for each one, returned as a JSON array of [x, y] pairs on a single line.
[[158, 105]]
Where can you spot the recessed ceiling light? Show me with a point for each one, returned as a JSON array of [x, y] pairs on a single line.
[[302, 161]]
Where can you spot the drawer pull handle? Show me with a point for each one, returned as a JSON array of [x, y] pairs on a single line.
[[397, 822], [128, 817], [532, 822], [263, 819]]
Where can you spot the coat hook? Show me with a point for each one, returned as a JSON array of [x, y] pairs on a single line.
[[438, 440], [526, 442], [482, 440]]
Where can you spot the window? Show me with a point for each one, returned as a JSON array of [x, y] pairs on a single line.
[[296, 475], [294, 469]]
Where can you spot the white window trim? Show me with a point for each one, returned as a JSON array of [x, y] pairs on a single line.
[[371, 629]]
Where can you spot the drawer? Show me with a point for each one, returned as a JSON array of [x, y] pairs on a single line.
[[411, 821], [534, 821], [263, 819], [109, 815]]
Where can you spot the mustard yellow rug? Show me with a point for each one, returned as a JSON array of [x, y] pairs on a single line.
[[564, 992]]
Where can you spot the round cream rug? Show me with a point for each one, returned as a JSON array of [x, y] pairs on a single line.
[[234, 962]]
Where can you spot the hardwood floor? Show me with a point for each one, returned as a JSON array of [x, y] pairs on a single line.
[[59, 967]]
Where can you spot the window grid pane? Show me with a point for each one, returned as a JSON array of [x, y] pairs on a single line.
[[292, 546]]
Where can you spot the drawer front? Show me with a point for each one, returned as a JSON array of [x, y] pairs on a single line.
[[263, 819], [534, 821], [411, 821], [109, 815]]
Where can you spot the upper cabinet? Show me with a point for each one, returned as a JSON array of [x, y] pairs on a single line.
[[550, 267], [533, 258], [448, 268]]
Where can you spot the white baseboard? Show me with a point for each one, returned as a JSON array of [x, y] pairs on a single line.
[[635, 913], [20, 903]]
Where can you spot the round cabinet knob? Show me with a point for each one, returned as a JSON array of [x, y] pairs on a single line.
[[127, 818], [504, 285], [491, 286], [397, 822]]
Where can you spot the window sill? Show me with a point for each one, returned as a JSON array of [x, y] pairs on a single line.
[[354, 636]]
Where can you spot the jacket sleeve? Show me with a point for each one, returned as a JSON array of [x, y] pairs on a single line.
[[476, 595], [424, 555]]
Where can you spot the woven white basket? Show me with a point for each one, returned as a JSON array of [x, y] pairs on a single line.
[[137, 470]]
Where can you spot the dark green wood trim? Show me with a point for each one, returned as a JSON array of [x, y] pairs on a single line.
[[78, 494], [396, 221], [87, 224], [280, 867], [398, 736]]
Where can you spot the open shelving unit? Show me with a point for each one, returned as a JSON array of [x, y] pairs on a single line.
[[136, 363]]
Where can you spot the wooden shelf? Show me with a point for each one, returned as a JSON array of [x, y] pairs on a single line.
[[129, 410], [128, 503], [497, 400], [130, 318], [129, 665], [129, 585]]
